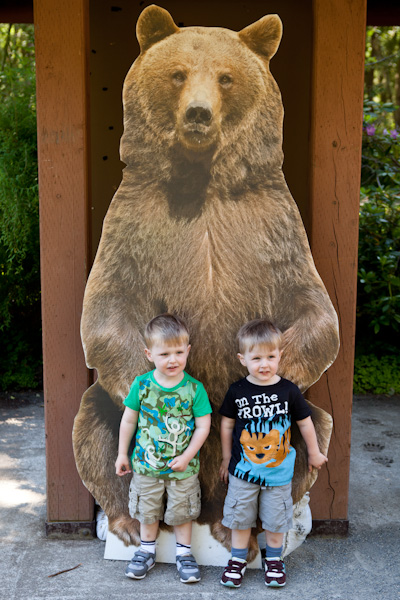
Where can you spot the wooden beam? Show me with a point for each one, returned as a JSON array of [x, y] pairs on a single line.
[[336, 131], [62, 34]]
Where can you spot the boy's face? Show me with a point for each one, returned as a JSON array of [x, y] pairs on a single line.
[[262, 364], [169, 359]]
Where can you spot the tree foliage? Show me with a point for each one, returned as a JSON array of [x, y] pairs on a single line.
[[378, 306], [20, 350], [382, 70], [378, 297]]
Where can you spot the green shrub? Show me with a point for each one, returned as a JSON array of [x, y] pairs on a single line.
[[20, 326], [377, 362], [374, 375], [378, 294], [378, 304]]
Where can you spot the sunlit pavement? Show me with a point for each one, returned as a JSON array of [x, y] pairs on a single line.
[[365, 565]]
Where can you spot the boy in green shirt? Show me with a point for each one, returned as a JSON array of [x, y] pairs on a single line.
[[170, 412]]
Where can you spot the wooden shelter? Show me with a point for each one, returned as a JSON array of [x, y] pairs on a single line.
[[83, 51]]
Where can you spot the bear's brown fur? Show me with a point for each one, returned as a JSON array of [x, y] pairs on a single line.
[[202, 225]]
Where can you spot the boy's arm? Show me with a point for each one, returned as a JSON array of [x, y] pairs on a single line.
[[315, 457], [227, 426], [200, 434], [126, 430]]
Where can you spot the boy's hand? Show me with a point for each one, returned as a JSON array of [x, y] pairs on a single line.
[[179, 463], [223, 470], [315, 457], [122, 465], [316, 460]]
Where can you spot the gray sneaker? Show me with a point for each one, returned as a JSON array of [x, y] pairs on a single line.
[[188, 568], [141, 562]]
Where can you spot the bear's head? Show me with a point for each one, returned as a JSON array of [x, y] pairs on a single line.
[[199, 91]]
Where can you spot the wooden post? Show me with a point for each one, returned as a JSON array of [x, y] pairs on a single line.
[[62, 34], [336, 130]]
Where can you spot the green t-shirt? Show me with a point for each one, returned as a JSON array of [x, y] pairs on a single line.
[[166, 423]]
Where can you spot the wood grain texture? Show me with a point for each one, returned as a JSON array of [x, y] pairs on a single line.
[[336, 130], [61, 30]]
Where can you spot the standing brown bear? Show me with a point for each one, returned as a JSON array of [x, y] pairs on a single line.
[[202, 225]]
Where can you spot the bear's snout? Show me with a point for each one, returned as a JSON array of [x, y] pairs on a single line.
[[199, 113], [198, 129]]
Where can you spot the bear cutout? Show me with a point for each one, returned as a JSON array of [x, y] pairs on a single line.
[[203, 225]]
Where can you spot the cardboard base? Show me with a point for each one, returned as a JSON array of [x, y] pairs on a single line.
[[204, 547]]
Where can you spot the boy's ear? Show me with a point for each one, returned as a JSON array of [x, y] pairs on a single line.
[[241, 358], [148, 354], [188, 348]]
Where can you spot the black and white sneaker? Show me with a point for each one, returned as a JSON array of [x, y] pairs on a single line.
[[233, 572], [275, 573]]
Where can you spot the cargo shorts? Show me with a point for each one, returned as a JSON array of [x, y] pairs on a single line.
[[245, 501], [148, 496]]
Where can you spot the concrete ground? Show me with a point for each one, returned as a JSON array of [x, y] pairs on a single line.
[[365, 565]]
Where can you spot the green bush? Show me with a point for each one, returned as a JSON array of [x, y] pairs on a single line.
[[374, 375], [378, 305], [20, 323], [378, 299], [377, 361]]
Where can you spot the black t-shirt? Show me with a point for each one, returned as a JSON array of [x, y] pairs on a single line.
[[261, 450]]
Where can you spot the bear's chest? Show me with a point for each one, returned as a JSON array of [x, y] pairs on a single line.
[[203, 258]]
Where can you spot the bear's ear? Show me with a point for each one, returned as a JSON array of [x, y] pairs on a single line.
[[154, 24], [263, 36]]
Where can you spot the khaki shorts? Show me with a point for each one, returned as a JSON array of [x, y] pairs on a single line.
[[245, 501], [147, 499]]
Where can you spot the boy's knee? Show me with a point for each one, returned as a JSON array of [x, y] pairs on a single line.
[[184, 501], [241, 504]]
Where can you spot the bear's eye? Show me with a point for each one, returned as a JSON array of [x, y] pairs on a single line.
[[178, 77], [225, 80]]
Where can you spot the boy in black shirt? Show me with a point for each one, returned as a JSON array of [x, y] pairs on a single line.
[[257, 457]]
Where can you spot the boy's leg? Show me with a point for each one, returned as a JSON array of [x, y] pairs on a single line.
[[148, 511], [274, 544], [236, 567], [276, 511], [275, 574], [240, 515], [183, 506], [145, 557], [186, 564], [183, 537], [240, 543], [148, 536]]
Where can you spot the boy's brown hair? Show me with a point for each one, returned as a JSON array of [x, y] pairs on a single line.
[[167, 329], [259, 332]]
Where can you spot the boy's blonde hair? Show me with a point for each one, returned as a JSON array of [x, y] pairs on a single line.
[[166, 329], [259, 332]]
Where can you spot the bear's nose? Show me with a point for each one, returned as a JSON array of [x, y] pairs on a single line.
[[198, 112]]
